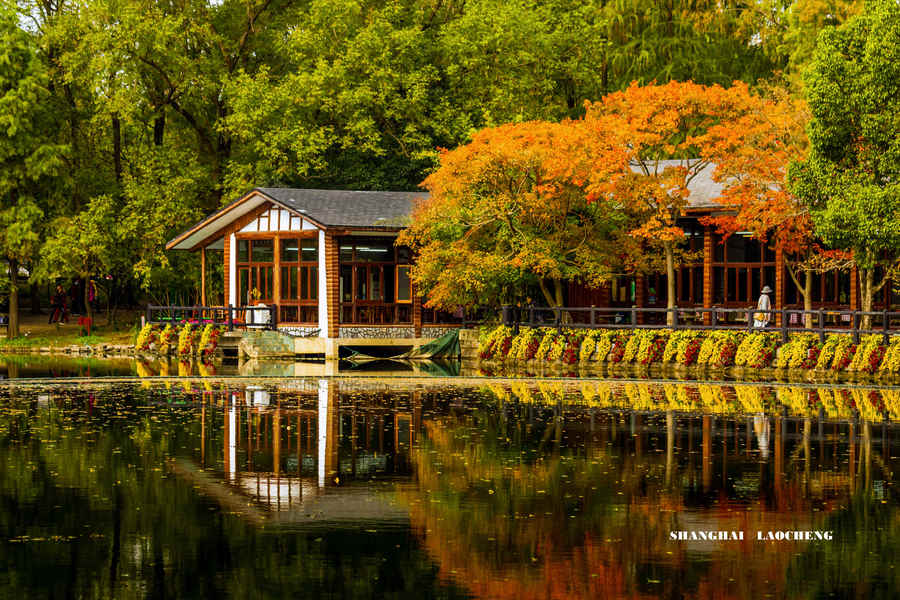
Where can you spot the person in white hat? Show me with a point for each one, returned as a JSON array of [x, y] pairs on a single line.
[[763, 308]]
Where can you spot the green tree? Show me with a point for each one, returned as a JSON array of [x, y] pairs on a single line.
[[29, 155], [851, 176]]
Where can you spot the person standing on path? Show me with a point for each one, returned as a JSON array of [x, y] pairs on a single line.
[[763, 309], [58, 311]]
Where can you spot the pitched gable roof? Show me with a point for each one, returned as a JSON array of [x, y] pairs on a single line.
[[343, 208]]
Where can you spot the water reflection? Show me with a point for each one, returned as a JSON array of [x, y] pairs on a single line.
[[354, 488]]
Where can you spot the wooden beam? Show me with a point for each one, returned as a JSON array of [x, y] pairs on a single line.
[[707, 272], [779, 282], [203, 277]]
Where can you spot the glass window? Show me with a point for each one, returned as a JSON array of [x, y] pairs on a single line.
[[402, 254], [267, 282], [262, 251], [387, 291], [361, 281], [346, 253], [288, 283], [346, 284], [698, 285], [243, 251], [243, 286], [290, 250], [304, 283], [374, 251], [313, 283], [310, 250], [404, 288], [375, 284], [736, 249]]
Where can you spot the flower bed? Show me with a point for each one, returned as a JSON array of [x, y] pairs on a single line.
[[717, 349]]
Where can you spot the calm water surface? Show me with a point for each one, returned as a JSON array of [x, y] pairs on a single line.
[[358, 489]]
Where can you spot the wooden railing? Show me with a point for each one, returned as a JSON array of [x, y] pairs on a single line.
[[254, 317], [884, 322]]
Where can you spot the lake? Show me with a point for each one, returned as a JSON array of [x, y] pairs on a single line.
[[442, 488]]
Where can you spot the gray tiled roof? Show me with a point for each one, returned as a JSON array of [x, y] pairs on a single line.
[[342, 208], [703, 189]]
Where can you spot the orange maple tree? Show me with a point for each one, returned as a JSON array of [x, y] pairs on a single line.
[[660, 125], [752, 151], [511, 209]]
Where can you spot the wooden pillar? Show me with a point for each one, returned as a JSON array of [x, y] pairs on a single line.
[[276, 275], [332, 279], [854, 288], [779, 282], [707, 273], [639, 296], [227, 273], [203, 276], [416, 311]]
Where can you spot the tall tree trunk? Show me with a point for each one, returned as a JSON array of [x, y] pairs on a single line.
[[117, 146], [555, 297], [807, 298], [560, 300], [866, 284], [13, 298], [670, 282]]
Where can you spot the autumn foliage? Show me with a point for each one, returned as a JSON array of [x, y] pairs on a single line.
[[581, 200], [513, 208]]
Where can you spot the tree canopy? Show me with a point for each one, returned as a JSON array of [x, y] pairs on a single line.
[[850, 179], [149, 115]]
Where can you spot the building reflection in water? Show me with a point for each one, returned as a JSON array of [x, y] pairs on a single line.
[[538, 492]]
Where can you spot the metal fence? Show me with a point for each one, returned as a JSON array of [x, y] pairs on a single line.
[[241, 317], [785, 320]]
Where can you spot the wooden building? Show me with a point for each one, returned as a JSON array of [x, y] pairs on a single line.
[[327, 260]]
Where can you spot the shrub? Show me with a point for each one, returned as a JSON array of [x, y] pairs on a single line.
[[589, 346], [496, 343], [868, 355], [795, 353], [148, 336], [186, 340], [719, 348], [524, 345], [756, 350], [677, 344], [843, 356], [573, 345], [557, 345], [543, 349], [834, 346], [617, 347], [639, 339], [891, 361], [209, 340]]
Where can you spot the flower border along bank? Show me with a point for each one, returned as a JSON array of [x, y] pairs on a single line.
[[703, 349]]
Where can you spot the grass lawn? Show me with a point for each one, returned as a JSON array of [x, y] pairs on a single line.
[[37, 333]]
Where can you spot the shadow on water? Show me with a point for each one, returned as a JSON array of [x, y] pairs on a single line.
[[360, 488]]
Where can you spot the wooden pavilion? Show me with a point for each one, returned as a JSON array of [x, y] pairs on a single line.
[[327, 260]]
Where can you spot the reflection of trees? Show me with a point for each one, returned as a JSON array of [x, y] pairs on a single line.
[[516, 502], [100, 460]]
